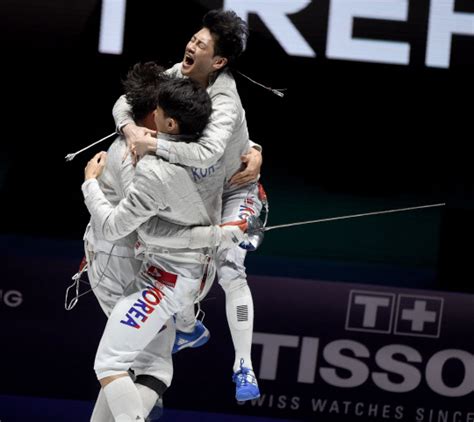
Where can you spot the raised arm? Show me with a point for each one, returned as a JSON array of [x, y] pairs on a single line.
[[211, 145], [122, 113], [126, 125]]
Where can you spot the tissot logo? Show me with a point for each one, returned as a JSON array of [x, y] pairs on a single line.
[[379, 312], [378, 356], [347, 363], [444, 21]]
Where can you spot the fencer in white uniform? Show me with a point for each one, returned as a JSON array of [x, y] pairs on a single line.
[[206, 57]]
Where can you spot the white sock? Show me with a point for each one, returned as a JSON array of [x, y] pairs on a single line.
[[124, 401], [101, 412], [148, 396], [239, 310]]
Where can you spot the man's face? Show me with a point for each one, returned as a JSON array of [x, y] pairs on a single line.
[[199, 60]]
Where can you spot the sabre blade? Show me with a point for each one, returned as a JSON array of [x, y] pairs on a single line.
[[346, 217], [71, 156]]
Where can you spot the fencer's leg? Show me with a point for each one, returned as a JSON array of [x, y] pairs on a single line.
[[123, 398], [240, 314], [186, 319], [239, 303], [132, 325], [239, 205], [191, 332], [101, 412], [153, 367], [239, 310], [148, 397]]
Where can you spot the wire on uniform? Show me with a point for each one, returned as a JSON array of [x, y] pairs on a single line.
[[77, 280]]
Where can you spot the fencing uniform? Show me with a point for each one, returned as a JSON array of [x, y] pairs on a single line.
[[112, 265], [226, 135], [169, 279]]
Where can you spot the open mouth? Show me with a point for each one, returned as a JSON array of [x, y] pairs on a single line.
[[188, 60]]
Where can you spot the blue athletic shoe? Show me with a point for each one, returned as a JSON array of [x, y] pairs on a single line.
[[197, 338], [246, 387]]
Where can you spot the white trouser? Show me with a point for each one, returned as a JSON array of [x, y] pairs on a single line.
[[155, 359], [165, 284], [238, 204], [110, 270]]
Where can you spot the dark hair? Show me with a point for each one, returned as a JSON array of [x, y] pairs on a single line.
[[187, 102], [141, 88], [229, 33]]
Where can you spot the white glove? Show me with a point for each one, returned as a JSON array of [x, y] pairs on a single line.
[[233, 234]]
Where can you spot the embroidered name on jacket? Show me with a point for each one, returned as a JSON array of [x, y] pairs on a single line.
[[199, 174]]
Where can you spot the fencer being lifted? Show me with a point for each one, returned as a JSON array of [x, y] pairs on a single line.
[[208, 57]]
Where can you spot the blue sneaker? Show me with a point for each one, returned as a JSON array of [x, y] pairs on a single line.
[[197, 338], [246, 387]]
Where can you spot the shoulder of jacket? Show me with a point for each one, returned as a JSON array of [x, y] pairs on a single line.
[[175, 70], [118, 145], [225, 84]]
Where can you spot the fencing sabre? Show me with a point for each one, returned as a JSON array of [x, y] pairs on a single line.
[[276, 91], [256, 226], [71, 156]]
